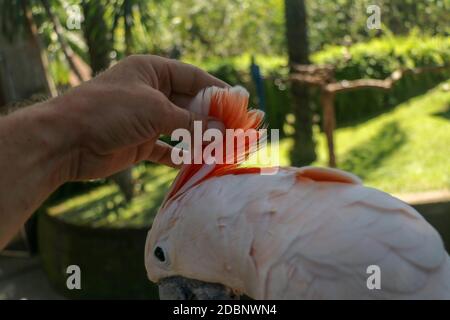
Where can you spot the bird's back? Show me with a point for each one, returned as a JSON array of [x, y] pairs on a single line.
[[323, 235]]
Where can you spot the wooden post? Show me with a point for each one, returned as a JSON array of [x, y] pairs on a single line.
[[329, 124]]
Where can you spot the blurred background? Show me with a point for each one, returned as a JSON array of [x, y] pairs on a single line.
[[355, 84]]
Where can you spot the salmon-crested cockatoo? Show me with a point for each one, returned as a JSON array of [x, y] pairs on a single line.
[[302, 233]]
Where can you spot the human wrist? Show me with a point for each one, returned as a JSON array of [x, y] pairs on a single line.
[[60, 130], [33, 162], [41, 138]]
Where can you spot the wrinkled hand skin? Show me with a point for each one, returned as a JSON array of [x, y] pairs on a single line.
[[99, 128]]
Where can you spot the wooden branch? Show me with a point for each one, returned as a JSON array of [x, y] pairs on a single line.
[[386, 84], [313, 68], [316, 75], [346, 85], [309, 80]]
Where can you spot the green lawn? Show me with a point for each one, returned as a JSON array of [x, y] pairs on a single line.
[[404, 150]]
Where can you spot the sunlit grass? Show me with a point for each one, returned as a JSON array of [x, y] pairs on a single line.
[[404, 150]]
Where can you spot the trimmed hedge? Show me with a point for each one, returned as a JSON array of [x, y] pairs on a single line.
[[378, 59]]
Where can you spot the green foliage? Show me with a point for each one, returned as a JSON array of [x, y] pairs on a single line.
[[345, 21], [236, 71], [200, 29], [203, 28], [13, 21], [377, 59]]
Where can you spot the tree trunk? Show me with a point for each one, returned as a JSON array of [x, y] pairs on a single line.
[[125, 182], [99, 41], [303, 152], [128, 25], [97, 35], [34, 35], [24, 70]]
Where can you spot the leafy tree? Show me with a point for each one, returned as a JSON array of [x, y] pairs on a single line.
[[344, 21], [59, 31], [135, 16]]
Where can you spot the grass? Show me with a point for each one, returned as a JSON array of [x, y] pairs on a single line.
[[404, 150]]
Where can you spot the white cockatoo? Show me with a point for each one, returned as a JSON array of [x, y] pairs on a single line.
[[303, 233]]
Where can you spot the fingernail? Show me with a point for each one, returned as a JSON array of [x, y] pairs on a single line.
[[214, 124]]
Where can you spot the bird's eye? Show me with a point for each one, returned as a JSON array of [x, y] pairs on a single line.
[[159, 254]]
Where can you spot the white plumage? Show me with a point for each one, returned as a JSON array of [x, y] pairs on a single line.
[[290, 237]]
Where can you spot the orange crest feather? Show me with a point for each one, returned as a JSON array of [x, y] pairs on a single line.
[[229, 105]]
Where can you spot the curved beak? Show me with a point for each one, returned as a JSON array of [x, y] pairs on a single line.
[[180, 288]]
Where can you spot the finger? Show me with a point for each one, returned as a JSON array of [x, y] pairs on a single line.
[[155, 151], [162, 154], [119, 160], [188, 79], [173, 118], [178, 118], [181, 100]]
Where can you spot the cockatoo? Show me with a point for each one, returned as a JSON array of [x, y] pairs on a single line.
[[303, 233]]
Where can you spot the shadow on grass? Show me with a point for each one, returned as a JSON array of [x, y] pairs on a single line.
[[444, 114], [93, 210], [401, 93], [111, 209], [370, 154]]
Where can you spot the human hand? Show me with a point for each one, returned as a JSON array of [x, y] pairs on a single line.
[[115, 120], [97, 129]]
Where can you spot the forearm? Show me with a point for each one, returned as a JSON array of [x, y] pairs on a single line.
[[33, 159]]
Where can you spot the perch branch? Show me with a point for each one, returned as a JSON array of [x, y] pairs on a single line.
[[386, 84]]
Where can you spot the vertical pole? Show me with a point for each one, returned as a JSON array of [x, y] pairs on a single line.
[[303, 151], [329, 124]]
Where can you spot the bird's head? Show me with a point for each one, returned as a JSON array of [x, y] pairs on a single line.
[[184, 252]]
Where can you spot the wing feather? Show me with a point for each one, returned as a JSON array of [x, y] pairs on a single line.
[[324, 235]]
